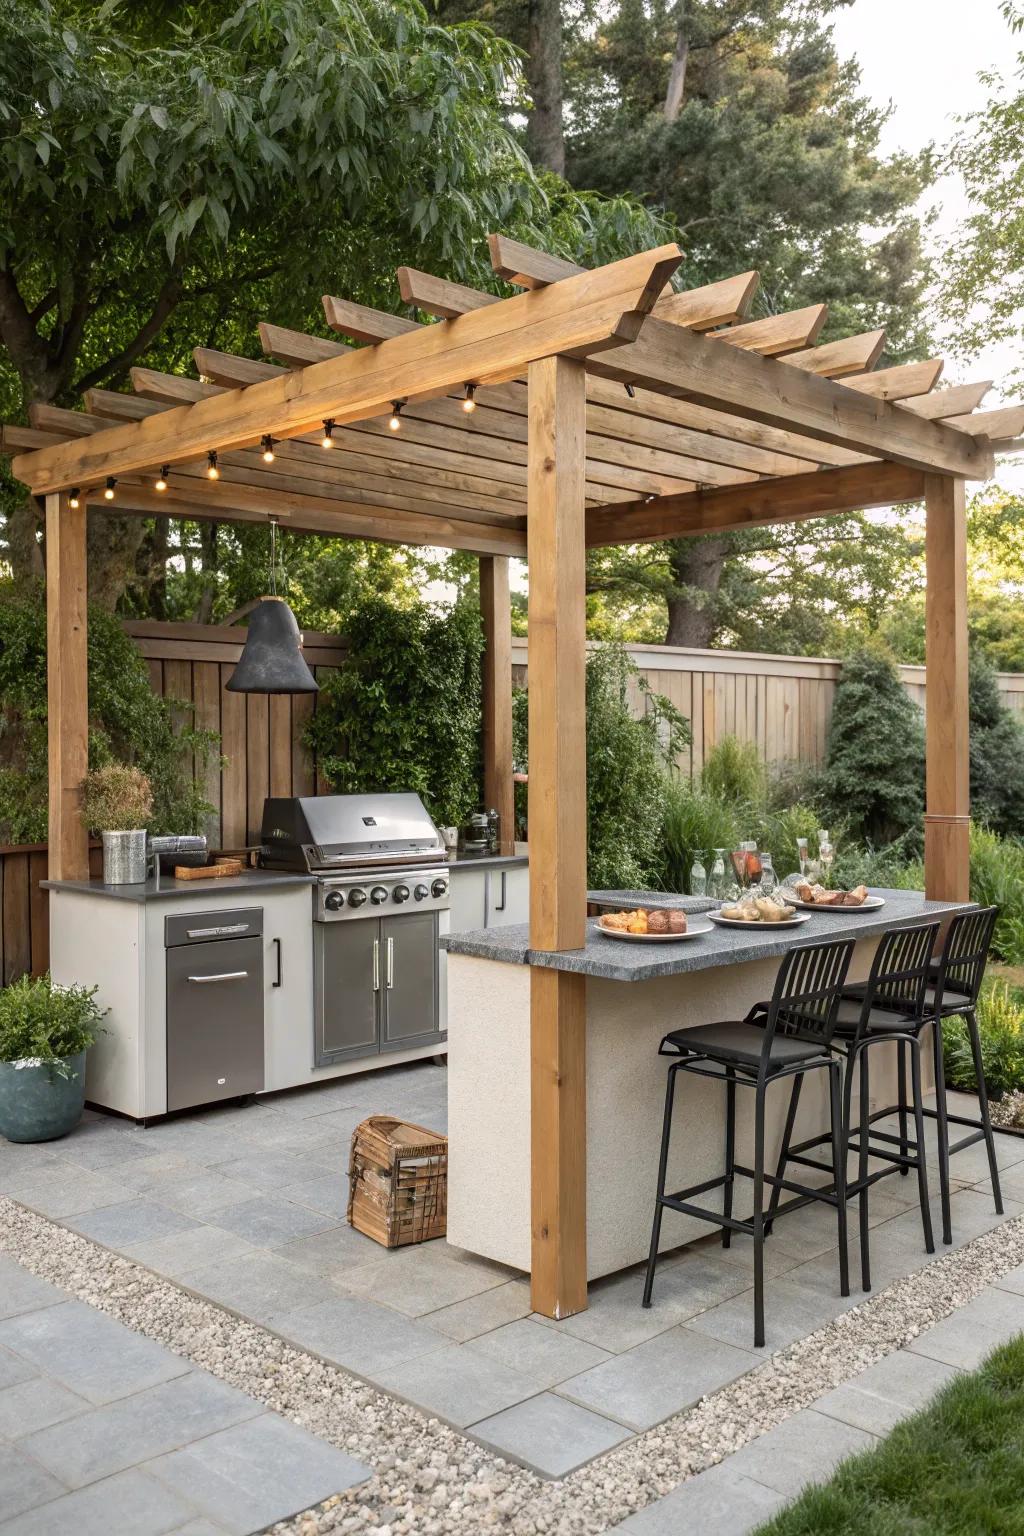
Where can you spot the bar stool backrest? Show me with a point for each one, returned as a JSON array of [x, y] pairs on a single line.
[[965, 956], [806, 997], [900, 971]]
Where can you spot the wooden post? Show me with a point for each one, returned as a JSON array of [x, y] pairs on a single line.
[[67, 685], [496, 608], [948, 800], [558, 831]]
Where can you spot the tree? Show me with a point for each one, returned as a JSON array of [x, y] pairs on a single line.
[[874, 763], [166, 183], [983, 289], [997, 754]]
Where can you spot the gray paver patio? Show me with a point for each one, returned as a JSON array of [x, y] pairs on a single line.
[[106, 1433], [245, 1206]]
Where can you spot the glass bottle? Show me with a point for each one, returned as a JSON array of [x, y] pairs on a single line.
[[717, 882], [768, 876], [803, 856], [698, 878]]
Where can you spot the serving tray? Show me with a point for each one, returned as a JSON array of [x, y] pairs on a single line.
[[692, 932], [739, 922], [869, 904]]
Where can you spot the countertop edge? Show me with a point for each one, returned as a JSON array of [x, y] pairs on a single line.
[[249, 882]]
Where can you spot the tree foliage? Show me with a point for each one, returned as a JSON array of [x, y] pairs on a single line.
[[874, 764], [997, 754]]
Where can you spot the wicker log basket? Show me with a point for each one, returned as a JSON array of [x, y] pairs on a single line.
[[398, 1181]]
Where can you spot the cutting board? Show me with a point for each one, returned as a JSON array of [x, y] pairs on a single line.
[[221, 870]]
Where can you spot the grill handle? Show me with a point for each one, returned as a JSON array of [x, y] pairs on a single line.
[[203, 981]]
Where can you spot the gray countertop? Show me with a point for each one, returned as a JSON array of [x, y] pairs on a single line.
[[619, 960], [487, 860], [250, 883]]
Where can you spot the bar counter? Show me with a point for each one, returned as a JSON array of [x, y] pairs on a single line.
[[710, 977]]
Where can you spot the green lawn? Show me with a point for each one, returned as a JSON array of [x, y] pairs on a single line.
[[954, 1469]]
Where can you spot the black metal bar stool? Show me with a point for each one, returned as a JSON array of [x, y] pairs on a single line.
[[955, 979], [794, 1038], [887, 1009]]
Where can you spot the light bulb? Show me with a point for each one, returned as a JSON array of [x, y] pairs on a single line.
[[109, 491], [268, 448], [73, 501], [327, 441], [160, 483], [396, 415], [469, 403], [212, 469]]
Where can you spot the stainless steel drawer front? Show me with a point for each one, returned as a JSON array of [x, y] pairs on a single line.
[[214, 1021], [209, 927]]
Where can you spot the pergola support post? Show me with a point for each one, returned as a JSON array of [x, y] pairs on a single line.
[[558, 831], [67, 685], [496, 610], [948, 794]]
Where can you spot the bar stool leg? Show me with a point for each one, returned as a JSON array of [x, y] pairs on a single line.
[[942, 1125], [862, 1172], [901, 1089], [986, 1121], [730, 1150], [666, 1134], [787, 1140], [758, 1220], [839, 1167], [914, 1047]]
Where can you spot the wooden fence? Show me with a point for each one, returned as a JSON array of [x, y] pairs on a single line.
[[782, 703]]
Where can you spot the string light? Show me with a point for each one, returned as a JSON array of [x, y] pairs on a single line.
[[73, 501], [212, 468], [327, 441], [160, 483], [108, 493], [396, 415], [268, 448], [469, 403]]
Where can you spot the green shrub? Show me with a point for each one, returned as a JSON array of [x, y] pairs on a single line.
[[404, 711], [46, 1023], [997, 754], [1001, 1029], [874, 770], [694, 821], [997, 880], [733, 771], [128, 723]]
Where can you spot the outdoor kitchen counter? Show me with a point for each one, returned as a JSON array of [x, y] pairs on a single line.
[[250, 883], [670, 986]]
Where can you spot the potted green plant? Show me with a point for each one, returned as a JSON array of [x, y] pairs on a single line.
[[117, 802], [45, 1031]]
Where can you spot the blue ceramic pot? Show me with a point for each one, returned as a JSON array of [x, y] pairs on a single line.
[[38, 1102]]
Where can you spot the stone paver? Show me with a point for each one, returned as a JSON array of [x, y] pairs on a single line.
[[895, 1386], [804, 1449], [659, 1378], [550, 1434], [457, 1383], [720, 1502], [359, 1335], [106, 1433]]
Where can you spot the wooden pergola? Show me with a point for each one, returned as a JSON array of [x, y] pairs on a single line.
[[608, 409]]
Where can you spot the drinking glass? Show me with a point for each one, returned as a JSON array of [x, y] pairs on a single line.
[[738, 859], [827, 853], [753, 863], [803, 856], [716, 884], [769, 880]]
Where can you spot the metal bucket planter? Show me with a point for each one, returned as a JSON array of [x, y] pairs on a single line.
[[41, 1100], [124, 858]]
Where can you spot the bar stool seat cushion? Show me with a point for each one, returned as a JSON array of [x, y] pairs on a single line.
[[952, 999], [742, 1043], [881, 1021]]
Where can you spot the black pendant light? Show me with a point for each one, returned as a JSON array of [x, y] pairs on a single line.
[[272, 659]]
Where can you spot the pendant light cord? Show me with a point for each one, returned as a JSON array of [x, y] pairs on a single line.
[[273, 557]]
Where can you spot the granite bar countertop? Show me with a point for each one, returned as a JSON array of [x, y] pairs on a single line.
[[249, 883], [613, 900], [620, 960]]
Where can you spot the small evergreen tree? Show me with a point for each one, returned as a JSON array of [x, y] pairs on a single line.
[[997, 754], [874, 767]]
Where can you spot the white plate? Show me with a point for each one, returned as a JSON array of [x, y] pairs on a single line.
[[657, 938], [739, 922], [869, 904]]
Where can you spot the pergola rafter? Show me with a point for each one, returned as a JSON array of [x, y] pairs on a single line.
[[605, 410]]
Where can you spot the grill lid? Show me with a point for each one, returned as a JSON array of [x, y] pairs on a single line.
[[332, 831]]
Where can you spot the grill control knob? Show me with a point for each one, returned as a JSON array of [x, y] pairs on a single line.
[[421, 892], [378, 895], [439, 888], [356, 897], [401, 893], [334, 900]]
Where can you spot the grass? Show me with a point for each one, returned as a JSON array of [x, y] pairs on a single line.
[[954, 1469]]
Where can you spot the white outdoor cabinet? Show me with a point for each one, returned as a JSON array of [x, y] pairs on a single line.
[[489, 895]]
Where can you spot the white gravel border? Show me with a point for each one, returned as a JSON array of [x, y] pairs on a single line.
[[430, 1480]]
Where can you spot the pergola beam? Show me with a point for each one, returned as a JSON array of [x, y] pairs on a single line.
[[676, 362], [788, 499], [580, 315], [959, 400], [778, 334]]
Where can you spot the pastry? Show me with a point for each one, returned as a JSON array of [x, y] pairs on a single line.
[[616, 920], [676, 921], [637, 922], [858, 895], [768, 910], [657, 922]]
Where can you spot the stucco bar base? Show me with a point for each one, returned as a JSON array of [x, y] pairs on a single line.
[[489, 1104]]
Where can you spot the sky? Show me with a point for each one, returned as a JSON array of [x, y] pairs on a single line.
[[924, 56]]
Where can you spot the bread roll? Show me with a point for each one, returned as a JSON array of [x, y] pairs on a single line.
[[676, 921]]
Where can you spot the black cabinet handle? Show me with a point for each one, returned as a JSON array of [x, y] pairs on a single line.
[[500, 905], [277, 983]]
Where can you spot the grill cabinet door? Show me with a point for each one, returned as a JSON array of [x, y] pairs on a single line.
[[214, 1021], [409, 980], [349, 969]]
